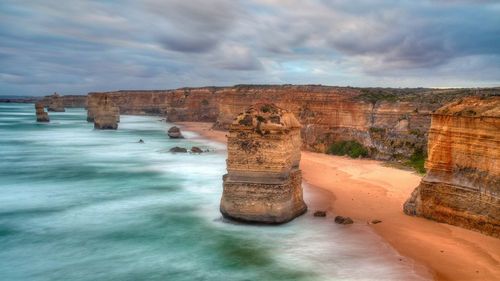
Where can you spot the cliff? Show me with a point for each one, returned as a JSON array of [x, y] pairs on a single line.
[[392, 123], [107, 115], [55, 103], [66, 101], [462, 185], [41, 115], [263, 183]]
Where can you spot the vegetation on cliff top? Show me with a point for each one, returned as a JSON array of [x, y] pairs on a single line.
[[351, 148]]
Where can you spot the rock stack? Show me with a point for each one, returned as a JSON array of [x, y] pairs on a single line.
[[106, 115], [462, 185], [263, 183], [55, 103], [41, 115]]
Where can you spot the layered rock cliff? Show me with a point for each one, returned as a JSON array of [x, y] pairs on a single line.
[[66, 101], [41, 115], [263, 183], [462, 185], [107, 115], [392, 123]]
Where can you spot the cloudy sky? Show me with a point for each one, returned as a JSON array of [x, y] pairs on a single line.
[[81, 46]]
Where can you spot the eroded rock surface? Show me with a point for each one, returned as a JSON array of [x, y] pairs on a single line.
[[41, 115], [55, 103], [174, 133], [106, 115], [263, 183], [462, 185]]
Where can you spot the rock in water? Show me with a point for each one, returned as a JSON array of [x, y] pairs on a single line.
[[320, 214], [106, 115], [343, 220], [196, 149], [41, 115], [178, 149], [462, 185], [175, 133], [56, 103], [263, 180]]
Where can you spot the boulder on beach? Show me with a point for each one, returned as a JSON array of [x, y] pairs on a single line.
[[178, 149], [343, 220], [196, 149], [175, 133], [320, 214]]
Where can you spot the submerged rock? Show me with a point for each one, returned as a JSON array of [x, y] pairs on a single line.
[[320, 214], [178, 149], [41, 115], [175, 133], [196, 149], [263, 180], [343, 220]]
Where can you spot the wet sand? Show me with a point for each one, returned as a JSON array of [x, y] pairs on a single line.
[[366, 190]]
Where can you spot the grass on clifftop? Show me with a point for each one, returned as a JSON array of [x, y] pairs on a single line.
[[351, 148]]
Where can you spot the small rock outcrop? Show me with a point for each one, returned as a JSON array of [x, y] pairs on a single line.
[[263, 181], [106, 115], [41, 115], [196, 149], [178, 150], [320, 214], [175, 133], [55, 103], [343, 220], [462, 185]]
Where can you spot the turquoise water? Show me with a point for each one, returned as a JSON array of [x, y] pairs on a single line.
[[82, 204]]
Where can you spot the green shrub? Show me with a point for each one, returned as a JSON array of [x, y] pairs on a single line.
[[351, 148], [417, 161]]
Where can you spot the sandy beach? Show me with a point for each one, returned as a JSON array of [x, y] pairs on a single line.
[[366, 190]]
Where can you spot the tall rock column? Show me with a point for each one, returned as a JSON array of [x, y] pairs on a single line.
[[263, 181], [106, 115], [462, 185], [41, 115]]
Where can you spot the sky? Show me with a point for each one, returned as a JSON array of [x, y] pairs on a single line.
[[75, 47]]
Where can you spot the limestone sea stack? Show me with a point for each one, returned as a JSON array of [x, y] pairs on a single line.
[[106, 115], [462, 185], [41, 115], [263, 180], [55, 103]]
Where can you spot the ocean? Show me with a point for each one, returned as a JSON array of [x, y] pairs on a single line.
[[84, 204]]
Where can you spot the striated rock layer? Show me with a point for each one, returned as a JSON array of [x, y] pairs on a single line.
[[106, 115], [41, 115], [263, 183], [392, 123], [462, 185]]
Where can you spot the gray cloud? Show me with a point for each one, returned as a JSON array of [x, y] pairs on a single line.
[[94, 45]]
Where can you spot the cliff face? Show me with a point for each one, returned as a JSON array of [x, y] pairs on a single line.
[[263, 183], [55, 103], [41, 115], [462, 185], [393, 123], [107, 115], [66, 101]]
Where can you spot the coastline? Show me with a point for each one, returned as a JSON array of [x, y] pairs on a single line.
[[366, 190]]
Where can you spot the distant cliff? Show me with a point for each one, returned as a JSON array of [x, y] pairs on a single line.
[[392, 123], [462, 185]]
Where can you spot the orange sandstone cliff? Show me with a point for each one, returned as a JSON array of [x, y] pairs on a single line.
[[263, 181], [462, 185], [107, 115]]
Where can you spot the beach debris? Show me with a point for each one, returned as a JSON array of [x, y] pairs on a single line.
[[196, 149], [177, 149], [175, 133], [375, 221], [343, 220], [320, 214]]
